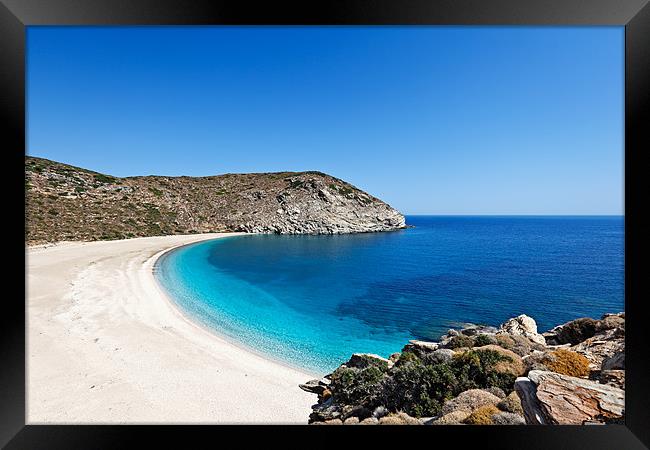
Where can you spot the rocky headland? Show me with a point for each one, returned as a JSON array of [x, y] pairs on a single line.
[[67, 203], [481, 375]]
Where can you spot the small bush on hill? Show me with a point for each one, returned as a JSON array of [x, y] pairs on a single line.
[[104, 178], [156, 192]]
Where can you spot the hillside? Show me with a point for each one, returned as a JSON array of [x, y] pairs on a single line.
[[69, 203]]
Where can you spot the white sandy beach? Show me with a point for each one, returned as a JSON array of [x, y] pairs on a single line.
[[105, 345]]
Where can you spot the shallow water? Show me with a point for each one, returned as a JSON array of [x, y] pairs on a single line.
[[314, 300]]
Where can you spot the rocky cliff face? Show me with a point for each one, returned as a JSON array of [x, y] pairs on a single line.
[[68, 203]]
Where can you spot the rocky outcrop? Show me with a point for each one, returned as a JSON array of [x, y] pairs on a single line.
[[420, 348], [364, 360], [522, 326], [616, 361], [482, 375], [601, 347], [552, 398], [317, 387], [580, 330], [69, 203]]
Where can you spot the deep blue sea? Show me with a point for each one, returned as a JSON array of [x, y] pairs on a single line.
[[312, 301]]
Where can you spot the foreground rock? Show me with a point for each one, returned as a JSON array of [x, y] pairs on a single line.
[[482, 375], [69, 203], [552, 398]]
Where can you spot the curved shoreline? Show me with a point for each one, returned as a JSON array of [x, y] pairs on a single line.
[[106, 344], [149, 267]]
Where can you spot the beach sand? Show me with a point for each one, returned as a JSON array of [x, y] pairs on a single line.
[[105, 345]]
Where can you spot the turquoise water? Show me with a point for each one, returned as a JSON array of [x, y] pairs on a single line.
[[312, 301]]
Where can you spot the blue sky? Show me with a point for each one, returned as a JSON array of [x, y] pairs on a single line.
[[433, 120]]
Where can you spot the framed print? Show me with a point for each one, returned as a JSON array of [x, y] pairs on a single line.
[[279, 216]]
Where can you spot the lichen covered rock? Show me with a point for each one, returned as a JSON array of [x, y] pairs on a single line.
[[482, 415], [507, 418], [511, 404], [469, 401], [399, 418], [452, 418]]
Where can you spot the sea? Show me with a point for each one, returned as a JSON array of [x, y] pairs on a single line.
[[312, 301]]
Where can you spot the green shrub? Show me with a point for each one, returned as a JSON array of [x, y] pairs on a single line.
[[418, 389], [421, 389], [484, 339], [511, 363], [343, 190], [460, 341], [356, 386], [478, 369]]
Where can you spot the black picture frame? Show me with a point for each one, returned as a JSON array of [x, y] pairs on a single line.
[[634, 15]]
